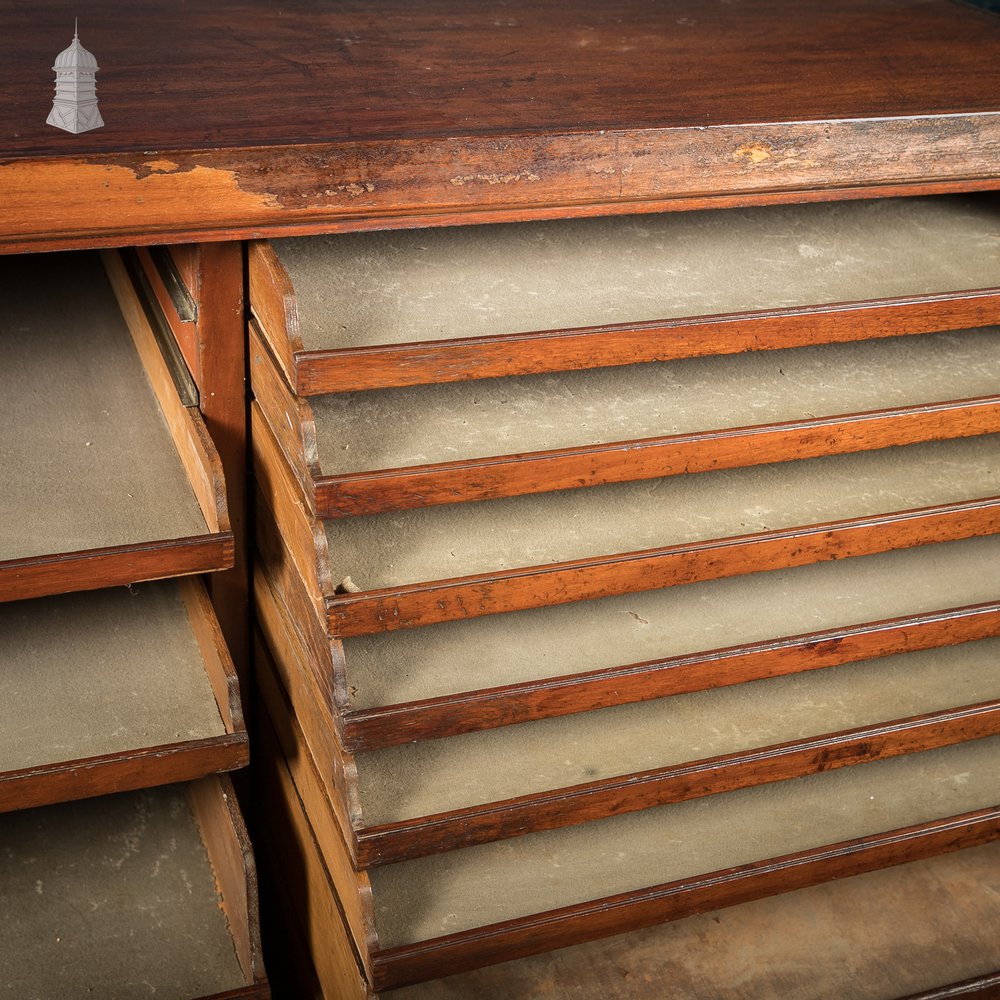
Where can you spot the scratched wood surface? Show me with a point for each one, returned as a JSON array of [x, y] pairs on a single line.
[[361, 113], [364, 71]]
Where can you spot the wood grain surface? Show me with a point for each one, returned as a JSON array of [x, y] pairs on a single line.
[[404, 116], [349, 494], [60, 573], [213, 804], [348, 370]]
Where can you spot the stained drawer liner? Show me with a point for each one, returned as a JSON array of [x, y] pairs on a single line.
[[353, 311], [111, 690], [394, 687], [448, 893], [566, 640], [514, 883], [115, 895], [111, 479], [435, 776]]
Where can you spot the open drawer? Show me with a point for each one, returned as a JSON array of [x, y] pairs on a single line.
[[112, 690], [394, 688], [396, 449], [426, 798], [110, 478], [127, 895], [362, 311], [861, 938], [439, 915], [399, 570]]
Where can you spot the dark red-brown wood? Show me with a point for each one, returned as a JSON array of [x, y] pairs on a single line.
[[259, 991], [649, 458], [629, 911], [347, 370], [389, 843], [408, 606], [471, 711], [445, 111]]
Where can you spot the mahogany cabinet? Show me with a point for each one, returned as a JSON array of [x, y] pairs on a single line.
[[555, 655]]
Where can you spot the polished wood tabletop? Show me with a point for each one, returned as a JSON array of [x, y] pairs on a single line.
[[225, 120]]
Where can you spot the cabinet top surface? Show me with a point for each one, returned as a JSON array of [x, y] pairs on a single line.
[[200, 76], [250, 119]]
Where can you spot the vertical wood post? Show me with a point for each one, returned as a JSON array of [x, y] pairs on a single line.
[[221, 341]]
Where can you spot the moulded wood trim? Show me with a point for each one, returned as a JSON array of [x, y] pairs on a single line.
[[64, 781], [548, 697], [575, 924], [215, 653], [286, 690], [252, 192], [421, 836], [387, 609], [292, 772], [92, 569], [388, 365], [273, 306], [306, 623], [288, 419]]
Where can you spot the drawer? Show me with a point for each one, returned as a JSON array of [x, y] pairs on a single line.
[[369, 310], [112, 690], [404, 569], [420, 919], [111, 479], [146, 891], [393, 688], [396, 449], [861, 938], [424, 798]]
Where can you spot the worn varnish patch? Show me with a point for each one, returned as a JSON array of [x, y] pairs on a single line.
[[249, 192]]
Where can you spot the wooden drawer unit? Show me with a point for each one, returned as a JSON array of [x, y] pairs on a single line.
[[685, 599], [115, 678], [626, 445], [111, 478], [444, 895], [129, 894]]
